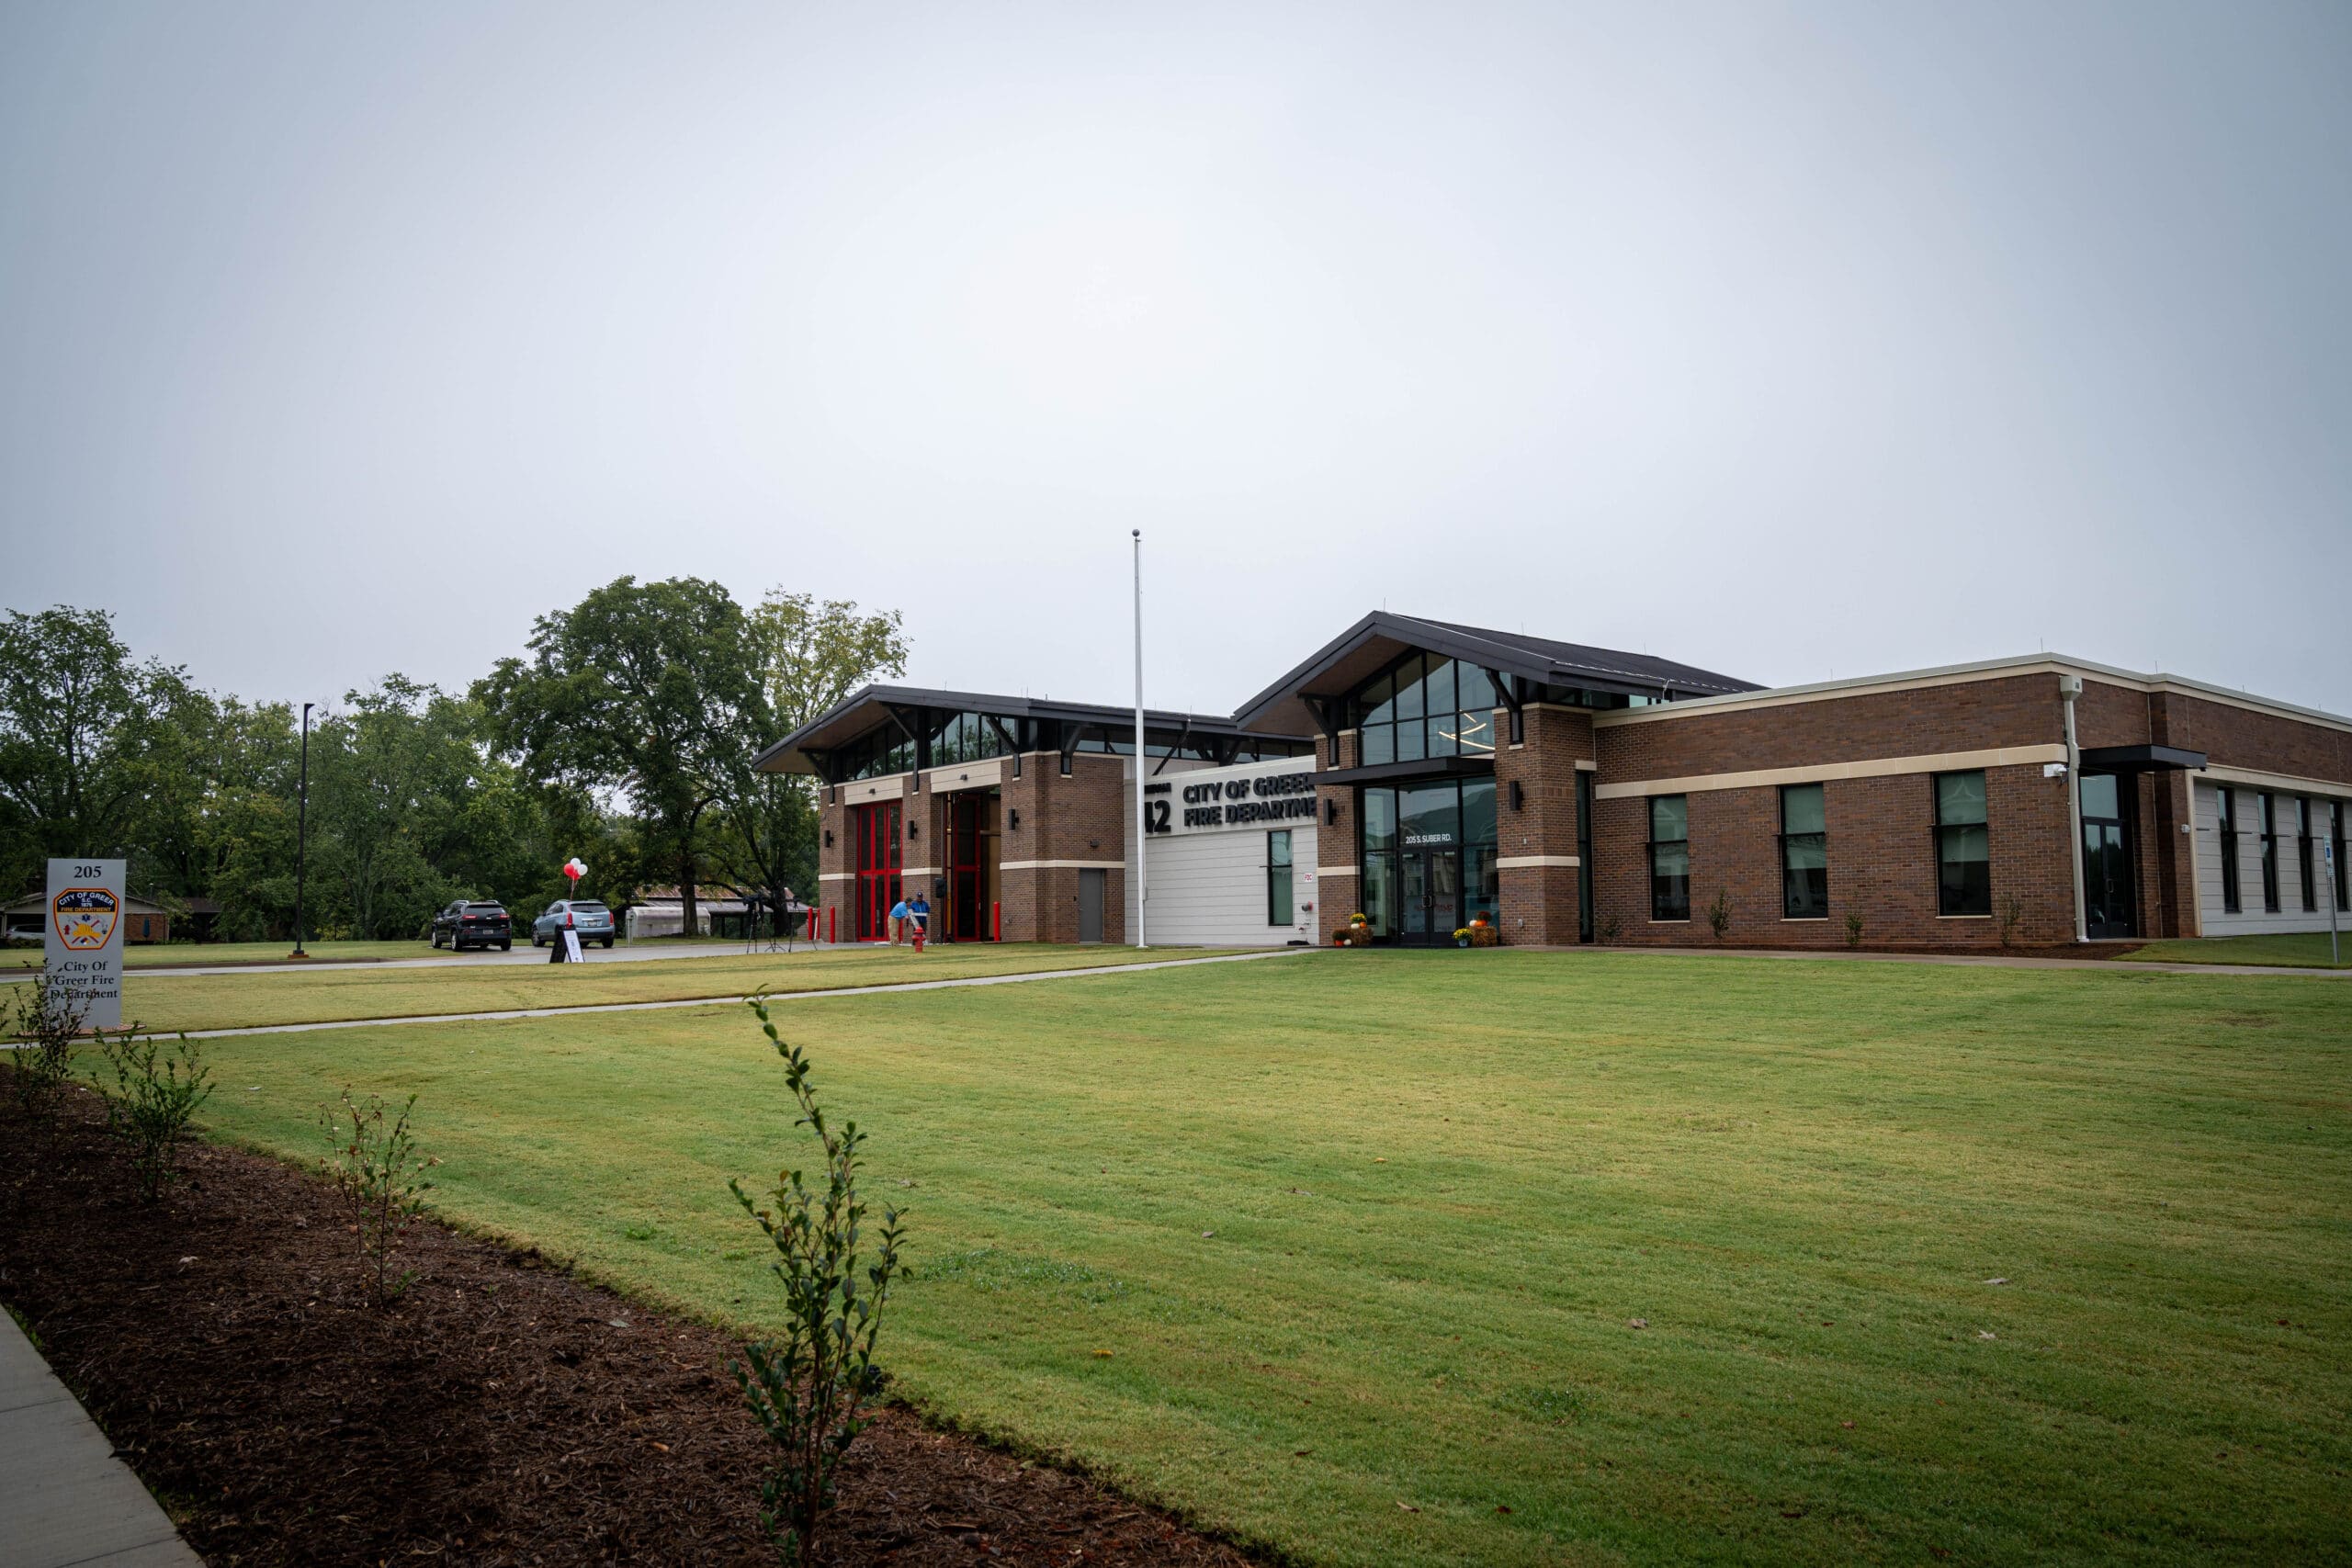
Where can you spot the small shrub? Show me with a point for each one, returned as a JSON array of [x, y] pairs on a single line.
[[1610, 928], [809, 1389], [2012, 911], [1853, 928], [156, 1091], [1719, 915], [379, 1174], [45, 1019]]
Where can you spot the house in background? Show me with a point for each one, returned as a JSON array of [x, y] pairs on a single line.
[[144, 919], [719, 911]]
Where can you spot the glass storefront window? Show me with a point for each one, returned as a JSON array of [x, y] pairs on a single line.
[[1429, 858], [1431, 816], [1425, 706], [1478, 811], [1380, 893], [1482, 888]]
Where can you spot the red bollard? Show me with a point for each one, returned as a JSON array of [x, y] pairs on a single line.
[[832, 932], [996, 923]]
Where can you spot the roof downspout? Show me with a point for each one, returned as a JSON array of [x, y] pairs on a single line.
[[2069, 688]]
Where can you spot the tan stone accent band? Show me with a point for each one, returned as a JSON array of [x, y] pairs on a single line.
[[1867, 768]]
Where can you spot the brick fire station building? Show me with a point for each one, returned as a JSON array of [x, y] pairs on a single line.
[[1426, 773]]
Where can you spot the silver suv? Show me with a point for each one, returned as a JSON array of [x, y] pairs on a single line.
[[589, 918]]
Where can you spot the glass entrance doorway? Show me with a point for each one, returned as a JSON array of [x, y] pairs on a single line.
[[1432, 901], [878, 863], [971, 868], [1429, 859], [2107, 857]]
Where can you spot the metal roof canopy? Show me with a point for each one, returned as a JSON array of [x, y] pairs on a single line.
[[1480, 765], [870, 708], [1357, 654], [2141, 759]]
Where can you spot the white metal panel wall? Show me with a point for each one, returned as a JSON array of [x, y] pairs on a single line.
[[2251, 916], [1208, 888]]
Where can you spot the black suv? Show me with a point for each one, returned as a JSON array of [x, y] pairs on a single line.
[[470, 923]]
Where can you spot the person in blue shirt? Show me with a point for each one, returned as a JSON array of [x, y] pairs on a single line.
[[899, 912], [921, 910]]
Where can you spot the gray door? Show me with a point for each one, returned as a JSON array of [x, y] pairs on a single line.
[[1089, 906]]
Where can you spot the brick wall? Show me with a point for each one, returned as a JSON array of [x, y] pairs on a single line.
[[1881, 866], [2238, 738], [1338, 881], [1081, 817], [1980, 715], [1539, 902]]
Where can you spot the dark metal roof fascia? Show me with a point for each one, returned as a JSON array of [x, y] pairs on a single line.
[[1537, 658], [1379, 624], [1581, 664], [979, 701]]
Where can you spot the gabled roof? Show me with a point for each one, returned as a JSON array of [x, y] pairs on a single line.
[[1357, 654], [868, 709]]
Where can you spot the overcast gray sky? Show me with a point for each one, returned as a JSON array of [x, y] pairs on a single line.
[[1786, 341]]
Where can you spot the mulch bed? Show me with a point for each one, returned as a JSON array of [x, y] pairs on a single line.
[[500, 1413]]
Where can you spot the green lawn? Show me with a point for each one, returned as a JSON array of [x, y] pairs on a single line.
[[2299, 949], [197, 955], [1364, 1230], [165, 1002]]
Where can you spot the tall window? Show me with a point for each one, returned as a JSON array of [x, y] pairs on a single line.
[[1670, 857], [2268, 804], [1963, 846], [2303, 852], [1278, 907], [2225, 829], [2343, 894], [1426, 707], [1804, 854]]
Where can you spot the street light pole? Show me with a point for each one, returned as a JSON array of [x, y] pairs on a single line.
[[1142, 884], [302, 831]]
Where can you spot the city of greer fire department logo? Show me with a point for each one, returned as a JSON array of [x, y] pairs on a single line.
[[85, 917]]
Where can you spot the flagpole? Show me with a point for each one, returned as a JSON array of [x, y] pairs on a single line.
[[1141, 883]]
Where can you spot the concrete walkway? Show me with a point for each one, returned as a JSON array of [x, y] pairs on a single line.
[[66, 1500], [774, 999], [1969, 960], [480, 958]]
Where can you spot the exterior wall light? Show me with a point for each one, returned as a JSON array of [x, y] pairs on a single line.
[[829, 838], [1518, 796], [1330, 812], [914, 832], [1012, 820]]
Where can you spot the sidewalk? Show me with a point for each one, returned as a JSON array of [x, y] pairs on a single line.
[[66, 1501]]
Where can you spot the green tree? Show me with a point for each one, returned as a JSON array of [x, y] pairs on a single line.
[[809, 655], [387, 777], [812, 654], [647, 689], [84, 730]]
